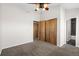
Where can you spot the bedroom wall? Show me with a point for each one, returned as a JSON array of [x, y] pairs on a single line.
[[68, 29], [17, 25], [62, 26], [73, 13], [0, 30], [77, 32]]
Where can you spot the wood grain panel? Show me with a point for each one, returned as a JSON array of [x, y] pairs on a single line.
[[42, 24], [47, 31], [53, 31], [39, 30]]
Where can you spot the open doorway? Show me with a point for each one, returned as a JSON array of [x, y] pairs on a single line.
[[71, 31]]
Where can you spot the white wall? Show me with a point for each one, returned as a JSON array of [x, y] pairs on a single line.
[[74, 13], [68, 29], [0, 30], [17, 25], [77, 32], [62, 26]]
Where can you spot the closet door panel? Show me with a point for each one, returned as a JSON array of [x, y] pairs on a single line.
[[42, 24], [39, 30], [53, 31], [47, 31]]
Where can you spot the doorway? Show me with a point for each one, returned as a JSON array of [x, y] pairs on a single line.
[[72, 32]]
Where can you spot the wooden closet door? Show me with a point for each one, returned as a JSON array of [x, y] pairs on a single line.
[[42, 28], [39, 30], [47, 31], [53, 31]]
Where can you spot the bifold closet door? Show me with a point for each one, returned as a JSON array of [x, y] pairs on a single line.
[[35, 30], [47, 31], [53, 31], [39, 30], [42, 30]]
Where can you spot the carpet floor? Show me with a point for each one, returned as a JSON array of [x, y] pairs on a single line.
[[40, 48]]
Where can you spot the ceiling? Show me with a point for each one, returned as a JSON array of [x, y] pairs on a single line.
[[30, 7], [66, 5], [70, 5]]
